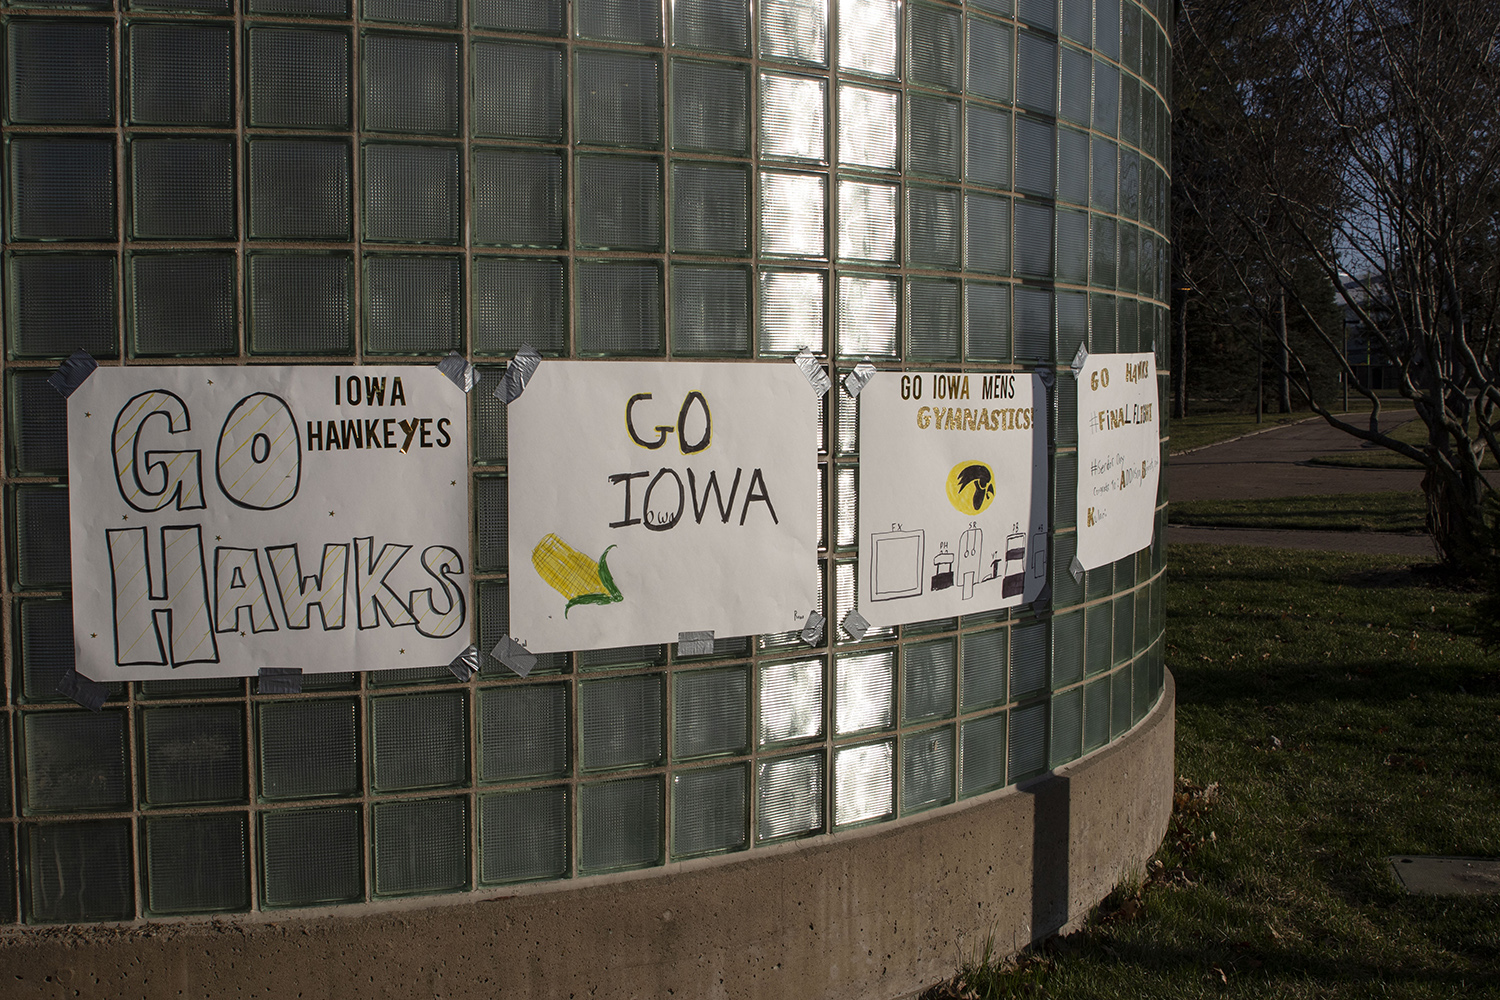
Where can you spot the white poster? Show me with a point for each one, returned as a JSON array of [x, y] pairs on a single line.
[[225, 519], [1119, 456], [649, 499], [952, 494]]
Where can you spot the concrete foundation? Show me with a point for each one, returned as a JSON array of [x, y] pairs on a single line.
[[868, 915]]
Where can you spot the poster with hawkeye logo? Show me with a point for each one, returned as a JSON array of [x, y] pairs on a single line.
[[952, 494]]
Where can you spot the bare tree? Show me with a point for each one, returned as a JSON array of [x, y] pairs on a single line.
[[1362, 138]]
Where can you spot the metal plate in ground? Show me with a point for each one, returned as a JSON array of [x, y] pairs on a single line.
[[1439, 876]]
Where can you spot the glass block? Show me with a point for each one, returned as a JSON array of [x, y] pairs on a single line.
[[1130, 183], [1028, 741], [1028, 658], [308, 749], [519, 91], [58, 303], [1042, 13], [620, 825], [199, 6], [792, 309], [932, 142], [933, 48], [1104, 255], [413, 305], [1067, 649], [987, 151], [301, 303], [421, 846], [193, 755], [1066, 728], [304, 8], [299, 78], [197, 687], [988, 321], [1065, 590], [868, 122], [437, 13], [846, 506], [619, 307], [42, 554], [523, 732], [1096, 714], [1130, 36], [710, 311], [618, 202], [710, 713], [982, 743], [182, 304], [1036, 157], [618, 97], [622, 656], [491, 520], [419, 740], [987, 233], [180, 74], [182, 188], [1065, 487], [932, 320], [1078, 21], [411, 83], [793, 117], [533, 17], [868, 316], [311, 857], [932, 228], [864, 694], [1036, 88], [60, 72], [867, 36], [789, 796], [991, 68], [867, 221], [1076, 99], [62, 187], [709, 811], [929, 679], [1120, 701], [636, 21], [411, 193], [864, 782], [621, 721], [520, 300], [1072, 333], [1034, 226], [792, 208], [984, 662], [1124, 627], [710, 107], [791, 701], [713, 25], [1107, 27], [300, 189], [519, 197], [197, 864], [46, 648], [38, 425], [523, 835], [927, 760], [1130, 276], [77, 872], [794, 30], [1033, 324], [74, 762], [1130, 111]]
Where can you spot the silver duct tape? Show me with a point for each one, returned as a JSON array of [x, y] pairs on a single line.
[[89, 694], [816, 376], [517, 374], [73, 372], [1080, 359], [511, 653], [280, 680], [1047, 376], [858, 378], [466, 664], [1076, 569], [855, 625], [812, 632], [695, 643], [462, 374]]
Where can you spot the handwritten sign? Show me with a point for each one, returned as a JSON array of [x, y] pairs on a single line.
[[1119, 456], [225, 519], [649, 499], [952, 494]]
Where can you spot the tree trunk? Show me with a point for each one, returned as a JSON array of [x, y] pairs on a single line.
[[1179, 362], [1283, 358]]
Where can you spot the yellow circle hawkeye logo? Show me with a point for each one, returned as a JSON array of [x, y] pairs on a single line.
[[971, 487]]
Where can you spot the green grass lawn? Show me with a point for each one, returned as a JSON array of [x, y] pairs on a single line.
[[1197, 432], [1412, 432], [1333, 710], [1396, 512]]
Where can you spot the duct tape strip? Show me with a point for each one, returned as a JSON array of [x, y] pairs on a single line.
[[89, 694], [73, 372], [1047, 376], [855, 625], [463, 374], [517, 374], [280, 680], [465, 664], [1076, 569], [812, 632], [695, 644], [858, 378], [511, 653], [813, 370], [1080, 359]]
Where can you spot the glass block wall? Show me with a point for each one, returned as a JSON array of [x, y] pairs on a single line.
[[928, 184]]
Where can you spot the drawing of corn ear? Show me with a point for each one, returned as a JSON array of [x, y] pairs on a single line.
[[574, 575]]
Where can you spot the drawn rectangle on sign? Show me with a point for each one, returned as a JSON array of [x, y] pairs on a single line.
[[227, 519], [1119, 456], [952, 494], [649, 499]]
